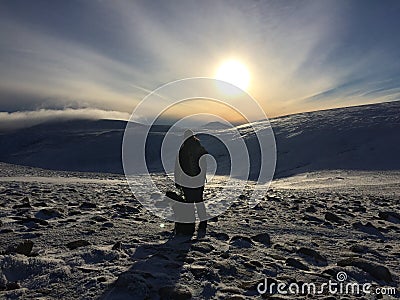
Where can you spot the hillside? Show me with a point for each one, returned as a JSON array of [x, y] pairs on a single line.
[[354, 138]]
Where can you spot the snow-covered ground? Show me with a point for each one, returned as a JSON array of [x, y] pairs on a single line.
[[379, 182], [66, 235]]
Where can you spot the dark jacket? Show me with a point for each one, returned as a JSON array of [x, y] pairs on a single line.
[[189, 160]]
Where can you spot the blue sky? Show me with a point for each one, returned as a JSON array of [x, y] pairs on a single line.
[[107, 55]]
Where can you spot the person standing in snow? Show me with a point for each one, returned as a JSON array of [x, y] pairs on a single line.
[[190, 174]]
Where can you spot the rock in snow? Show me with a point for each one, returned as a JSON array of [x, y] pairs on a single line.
[[262, 238], [296, 264], [331, 217], [390, 216], [76, 244], [24, 248], [239, 241], [377, 271], [313, 254]]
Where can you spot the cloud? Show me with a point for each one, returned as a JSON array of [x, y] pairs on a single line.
[[37, 64], [108, 55], [149, 45], [22, 119]]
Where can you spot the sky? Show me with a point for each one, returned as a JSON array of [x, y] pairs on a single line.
[[100, 58]]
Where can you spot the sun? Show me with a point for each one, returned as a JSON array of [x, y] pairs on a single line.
[[235, 73]]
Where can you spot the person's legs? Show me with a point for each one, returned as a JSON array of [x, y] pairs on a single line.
[[186, 228], [195, 195], [201, 208]]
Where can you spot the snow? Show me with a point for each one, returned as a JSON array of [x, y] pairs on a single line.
[[354, 138], [242, 247]]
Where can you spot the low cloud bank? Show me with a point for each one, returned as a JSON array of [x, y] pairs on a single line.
[[22, 119]]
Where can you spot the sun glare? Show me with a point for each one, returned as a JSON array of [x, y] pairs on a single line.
[[235, 73]]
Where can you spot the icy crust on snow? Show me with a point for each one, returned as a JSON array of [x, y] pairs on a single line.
[[91, 239]]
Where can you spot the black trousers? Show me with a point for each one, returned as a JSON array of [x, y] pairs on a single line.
[[195, 195], [192, 195]]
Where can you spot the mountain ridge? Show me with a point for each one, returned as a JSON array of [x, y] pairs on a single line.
[[355, 138]]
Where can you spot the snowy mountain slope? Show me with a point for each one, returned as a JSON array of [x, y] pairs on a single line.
[[354, 138], [72, 145]]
